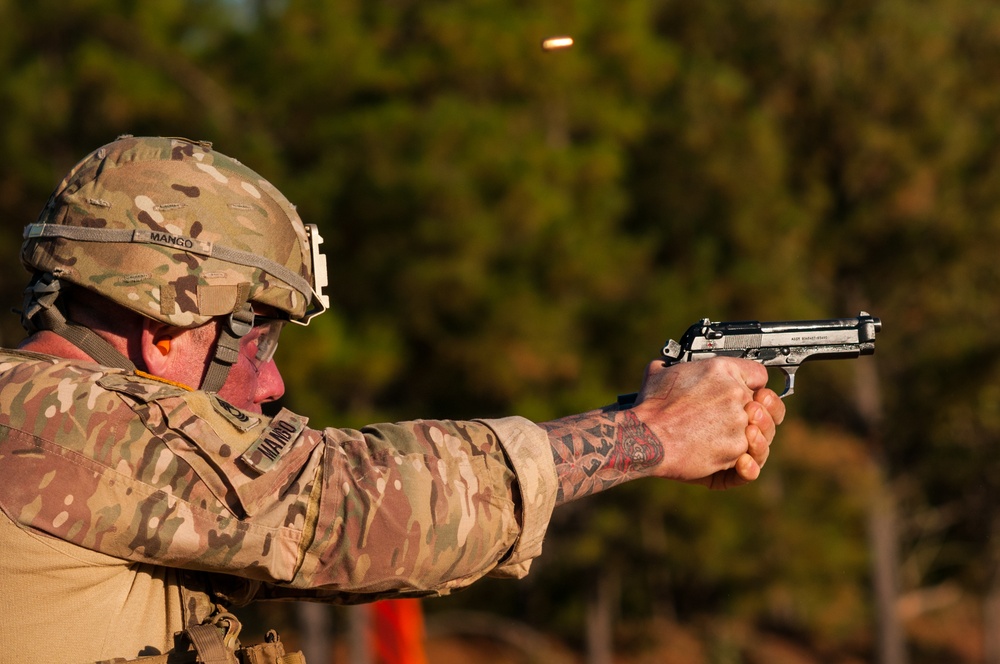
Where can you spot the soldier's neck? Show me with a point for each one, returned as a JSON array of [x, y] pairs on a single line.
[[50, 343]]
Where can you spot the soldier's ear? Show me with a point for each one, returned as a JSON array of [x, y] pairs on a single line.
[[157, 344]]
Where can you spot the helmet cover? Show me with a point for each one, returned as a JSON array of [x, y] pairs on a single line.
[[177, 232]]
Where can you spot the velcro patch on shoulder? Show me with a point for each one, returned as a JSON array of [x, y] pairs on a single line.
[[240, 419], [274, 441], [140, 388]]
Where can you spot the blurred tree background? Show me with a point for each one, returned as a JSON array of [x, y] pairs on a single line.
[[514, 231]]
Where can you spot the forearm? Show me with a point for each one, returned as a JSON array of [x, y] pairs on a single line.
[[600, 449]]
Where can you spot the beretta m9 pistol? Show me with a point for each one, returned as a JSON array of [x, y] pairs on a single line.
[[783, 344]]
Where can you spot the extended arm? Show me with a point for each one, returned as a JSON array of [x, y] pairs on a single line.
[[709, 423]]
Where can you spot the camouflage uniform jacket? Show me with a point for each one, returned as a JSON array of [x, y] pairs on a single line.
[[221, 504]]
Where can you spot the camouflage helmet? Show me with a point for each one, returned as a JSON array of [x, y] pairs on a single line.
[[177, 232]]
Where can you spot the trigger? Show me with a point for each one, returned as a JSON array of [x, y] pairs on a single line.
[[789, 381]]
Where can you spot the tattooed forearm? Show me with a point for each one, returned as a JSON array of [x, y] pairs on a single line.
[[600, 449]]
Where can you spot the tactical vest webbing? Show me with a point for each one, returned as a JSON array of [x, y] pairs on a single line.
[[216, 642]]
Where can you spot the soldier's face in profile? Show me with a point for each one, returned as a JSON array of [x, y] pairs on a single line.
[[254, 380]]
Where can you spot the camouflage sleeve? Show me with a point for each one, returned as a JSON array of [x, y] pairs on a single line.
[[428, 505], [153, 473], [530, 454]]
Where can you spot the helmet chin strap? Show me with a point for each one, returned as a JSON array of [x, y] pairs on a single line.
[[227, 348], [41, 312]]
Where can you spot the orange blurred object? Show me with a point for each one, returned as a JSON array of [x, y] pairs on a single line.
[[398, 632]]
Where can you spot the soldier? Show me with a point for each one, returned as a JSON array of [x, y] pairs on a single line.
[[145, 492]]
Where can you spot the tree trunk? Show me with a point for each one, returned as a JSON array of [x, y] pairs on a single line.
[[991, 609], [882, 527], [600, 619], [359, 626], [314, 630], [883, 531]]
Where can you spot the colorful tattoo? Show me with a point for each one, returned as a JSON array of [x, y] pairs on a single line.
[[597, 450]]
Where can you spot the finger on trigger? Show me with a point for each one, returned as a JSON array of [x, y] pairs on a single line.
[[773, 403], [753, 374]]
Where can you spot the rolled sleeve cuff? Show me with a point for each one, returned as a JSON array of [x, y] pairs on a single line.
[[527, 446]]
